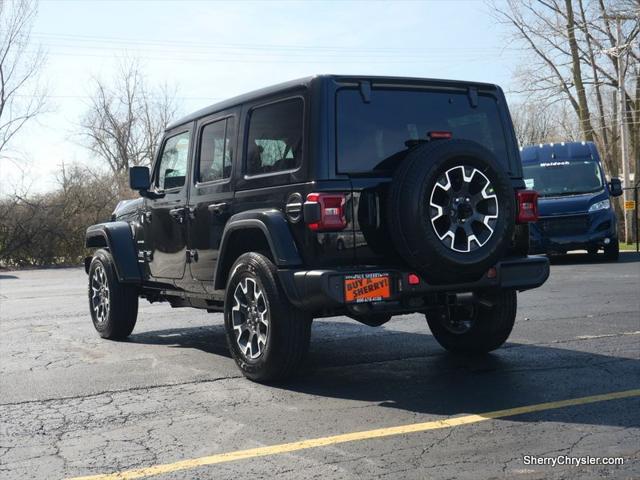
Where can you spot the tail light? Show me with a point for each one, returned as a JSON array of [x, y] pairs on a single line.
[[527, 206], [325, 212]]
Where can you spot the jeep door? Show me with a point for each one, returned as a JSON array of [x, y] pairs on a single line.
[[211, 196], [165, 217]]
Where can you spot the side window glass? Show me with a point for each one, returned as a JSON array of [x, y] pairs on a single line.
[[275, 137], [172, 170], [216, 151]]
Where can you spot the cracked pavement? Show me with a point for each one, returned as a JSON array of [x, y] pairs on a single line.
[[73, 404]]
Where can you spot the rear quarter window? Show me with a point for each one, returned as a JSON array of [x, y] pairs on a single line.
[[274, 140]]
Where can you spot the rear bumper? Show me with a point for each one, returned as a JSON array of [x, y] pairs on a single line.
[[323, 290]]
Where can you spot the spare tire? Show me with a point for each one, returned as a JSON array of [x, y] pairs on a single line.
[[451, 210]]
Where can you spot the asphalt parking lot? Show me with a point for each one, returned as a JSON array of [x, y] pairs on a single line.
[[170, 403]]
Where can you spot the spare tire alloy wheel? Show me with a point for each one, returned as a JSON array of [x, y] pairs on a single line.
[[250, 317], [464, 208], [451, 210]]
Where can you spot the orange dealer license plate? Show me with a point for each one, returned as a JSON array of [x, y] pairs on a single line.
[[367, 287]]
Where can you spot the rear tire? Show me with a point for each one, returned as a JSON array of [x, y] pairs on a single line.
[[113, 305], [267, 336], [612, 251], [480, 331]]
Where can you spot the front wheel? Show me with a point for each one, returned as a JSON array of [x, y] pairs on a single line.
[[113, 305], [479, 326], [267, 336], [612, 251]]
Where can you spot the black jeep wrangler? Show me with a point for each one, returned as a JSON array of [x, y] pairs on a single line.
[[330, 195]]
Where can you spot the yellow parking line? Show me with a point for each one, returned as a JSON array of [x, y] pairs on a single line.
[[353, 437]]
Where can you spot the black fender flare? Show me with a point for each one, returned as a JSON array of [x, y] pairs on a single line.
[[117, 237], [275, 228]]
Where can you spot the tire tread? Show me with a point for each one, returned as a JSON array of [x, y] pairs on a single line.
[[123, 308], [291, 325]]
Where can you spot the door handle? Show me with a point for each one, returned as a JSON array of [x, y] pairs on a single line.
[[218, 208], [177, 214]]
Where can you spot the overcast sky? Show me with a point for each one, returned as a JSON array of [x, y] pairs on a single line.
[[214, 50]]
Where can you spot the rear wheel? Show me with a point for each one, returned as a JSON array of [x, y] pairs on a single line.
[[267, 336], [479, 326], [113, 305]]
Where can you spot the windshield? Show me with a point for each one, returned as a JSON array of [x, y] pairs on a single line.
[[563, 177], [374, 136]]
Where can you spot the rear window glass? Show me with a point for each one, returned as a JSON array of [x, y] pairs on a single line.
[[372, 136]]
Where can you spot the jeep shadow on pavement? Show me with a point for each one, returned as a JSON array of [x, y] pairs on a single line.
[[403, 370], [330, 195]]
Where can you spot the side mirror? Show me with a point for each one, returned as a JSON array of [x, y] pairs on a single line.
[[615, 187], [139, 179]]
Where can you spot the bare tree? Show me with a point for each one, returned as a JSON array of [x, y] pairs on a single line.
[[126, 118], [48, 228], [574, 60], [534, 123], [21, 97]]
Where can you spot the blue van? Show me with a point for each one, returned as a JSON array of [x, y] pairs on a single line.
[[575, 211]]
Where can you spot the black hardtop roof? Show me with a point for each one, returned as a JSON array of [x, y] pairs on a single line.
[[306, 82]]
